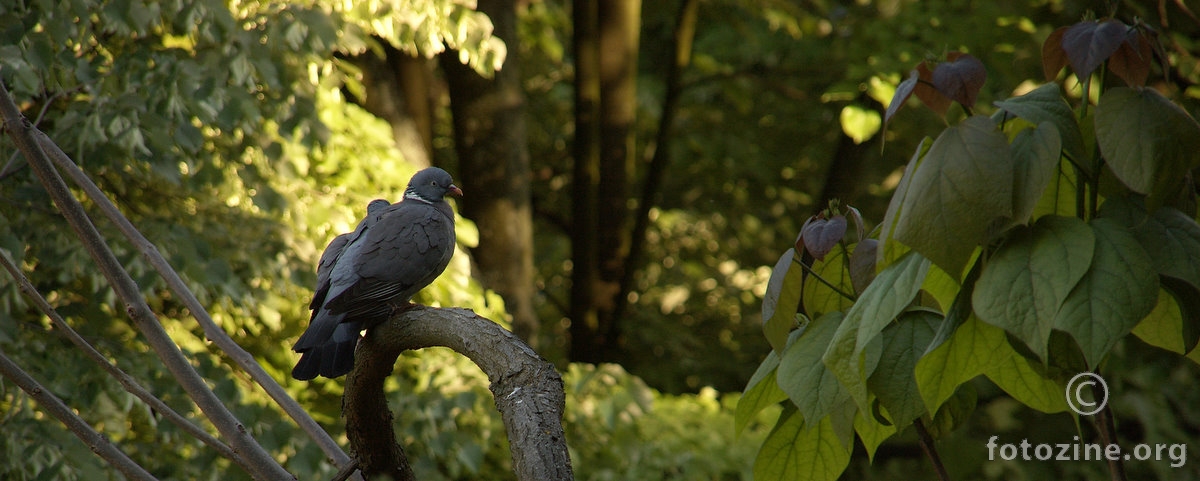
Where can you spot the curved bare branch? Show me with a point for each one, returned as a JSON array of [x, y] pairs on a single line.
[[528, 391]]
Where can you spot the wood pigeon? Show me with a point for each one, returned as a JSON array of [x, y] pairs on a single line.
[[363, 276]]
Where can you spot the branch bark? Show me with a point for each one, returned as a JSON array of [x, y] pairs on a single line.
[[528, 391], [127, 381], [258, 462], [55, 407], [212, 331]]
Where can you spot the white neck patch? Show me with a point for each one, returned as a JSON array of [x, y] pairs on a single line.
[[417, 197]]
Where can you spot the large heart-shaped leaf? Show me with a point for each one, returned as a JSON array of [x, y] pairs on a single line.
[[797, 449], [828, 287], [1046, 104], [761, 391], [1149, 142], [973, 347], [893, 381], [960, 189], [1036, 154], [801, 374], [1025, 282], [782, 300], [884, 299], [1171, 237], [1118, 290], [888, 250]]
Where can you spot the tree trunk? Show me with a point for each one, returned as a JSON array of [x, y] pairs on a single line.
[[397, 90], [685, 32], [844, 178], [620, 23], [494, 172], [585, 344], [606, 47]]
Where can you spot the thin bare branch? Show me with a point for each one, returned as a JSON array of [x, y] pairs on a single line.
[[212, 331], [260, 463], [55, 407], [128, 382]]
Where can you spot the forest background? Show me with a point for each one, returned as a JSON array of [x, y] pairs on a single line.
[[632, 171]]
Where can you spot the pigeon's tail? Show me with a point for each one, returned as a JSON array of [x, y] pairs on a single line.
[[308, 366], [319, 331], [337, 357], [334, 357], [316, 344]]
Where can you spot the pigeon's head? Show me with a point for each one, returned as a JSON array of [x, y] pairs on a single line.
[[376, 206], [431, 185]]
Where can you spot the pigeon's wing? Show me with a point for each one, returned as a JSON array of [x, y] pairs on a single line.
[[409, 247], [334, 250], [325, 266], [334, 275]]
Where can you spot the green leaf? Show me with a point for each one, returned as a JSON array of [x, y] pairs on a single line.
[[941, 287], [818, 298], [803, 376], [1036, 153], [1058, 198], [973, 347], [760, 392], [1030, 275], [1187, 298], [781, 300], [885, 298], [1117, 292], [1162, 326], [796, 450], [904, 343], [1170, 237], [1149, 142], [954, 412], [872, 433], [1046, 104], [890, 251], [1024, 381], [859, 123], [958, 193]]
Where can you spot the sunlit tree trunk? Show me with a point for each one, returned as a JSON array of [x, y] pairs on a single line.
[[493, 156], [397, 90]]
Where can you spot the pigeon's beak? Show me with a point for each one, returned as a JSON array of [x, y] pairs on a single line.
[[454, 190]]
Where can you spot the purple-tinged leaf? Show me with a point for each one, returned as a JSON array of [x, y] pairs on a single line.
[[819, 235], [927, 93], [1089, 44], [1133, 60], [903, 92], [859, 227], [1054, 58], [960, 78]]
